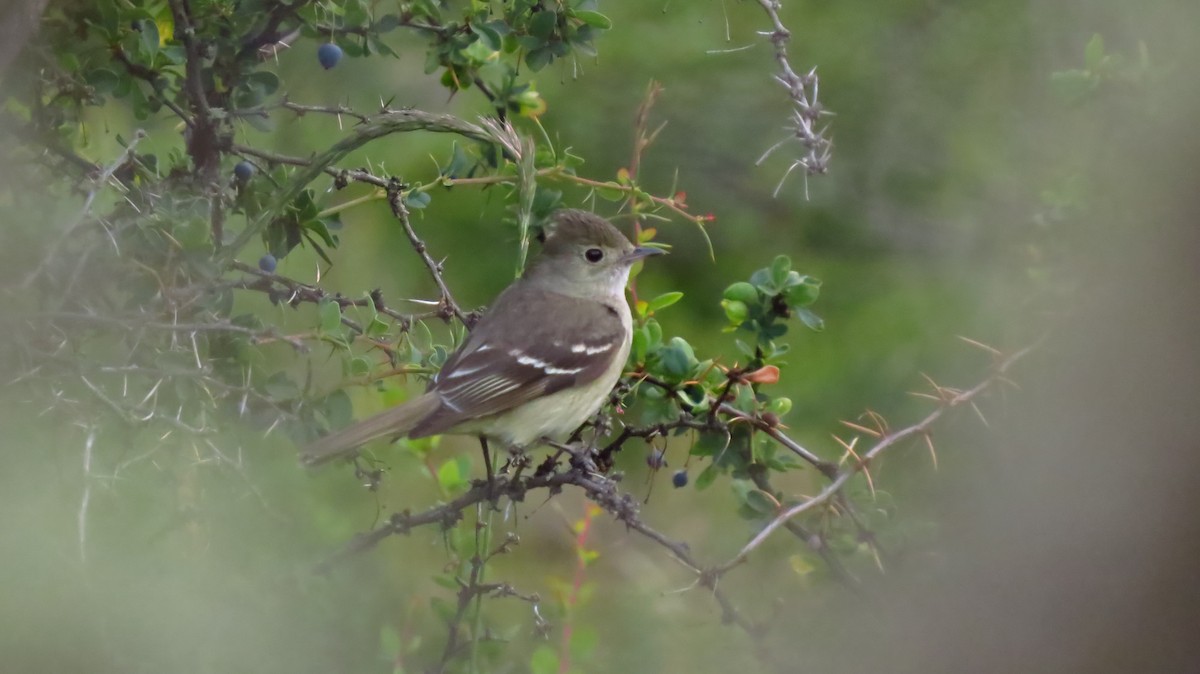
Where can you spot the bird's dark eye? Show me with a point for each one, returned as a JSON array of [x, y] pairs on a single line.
[[594, 255]]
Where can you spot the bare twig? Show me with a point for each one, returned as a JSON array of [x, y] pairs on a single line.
[[99, 183], [803, 91], [292, 291], [377, 126], [448, 305], [86, 499], [922, 428]]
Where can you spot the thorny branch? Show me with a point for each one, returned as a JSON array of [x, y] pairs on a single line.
[[202, 143], [101, 181], [289, 291], [806, 109], [883, 442], [448, 306], [581, 473]]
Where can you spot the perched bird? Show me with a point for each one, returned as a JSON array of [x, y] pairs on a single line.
[[539, 363]]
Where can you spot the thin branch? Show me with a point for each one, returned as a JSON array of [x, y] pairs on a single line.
[[806, 108], [292, 291], [85, 500], [377, 126], [827, 469], [100, 182], [887, 441], [448, 305]]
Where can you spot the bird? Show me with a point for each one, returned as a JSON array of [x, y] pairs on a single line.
[[540, 362]]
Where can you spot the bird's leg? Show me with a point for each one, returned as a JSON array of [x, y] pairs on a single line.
[[580, 456], [517, 458], [518, 461], [487, 457]]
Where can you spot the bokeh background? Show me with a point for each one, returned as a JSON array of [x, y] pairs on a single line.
[[1059, 537]]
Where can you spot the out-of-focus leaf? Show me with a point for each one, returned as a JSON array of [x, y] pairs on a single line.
[[330, 315], [663, 301]]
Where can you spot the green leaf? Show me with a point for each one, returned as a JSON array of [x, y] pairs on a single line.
[[709, 444], [593, 19], [264, 81], [663, 301], [543, 661], [780, 406], [736, 312], [705, 479], [359, 367], [453, 475], [742, 292], [583, 642], [761, 502], [488, 36], [761, 279], [355, 13], [641, 341], [810, 319], [320, 227], [417, 200], [386, 23], [338, 409], [753, 498], [802, 293], [150, 39], [264, 124], [478, 52], [613, 193], [447, 581], [677, 358], [780, 267], [654, 332], [104, 81], [542, 24], [376, 328], [330, 315], [539, 58]]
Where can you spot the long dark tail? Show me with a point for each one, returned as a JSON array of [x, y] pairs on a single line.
[[397, 421]]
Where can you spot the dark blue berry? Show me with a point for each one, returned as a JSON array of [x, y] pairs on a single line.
[[243, 171], [656, 459], [680, 478], [267, 263], [329, 54]]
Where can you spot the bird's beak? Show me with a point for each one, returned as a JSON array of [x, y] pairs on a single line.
[[642, 252]]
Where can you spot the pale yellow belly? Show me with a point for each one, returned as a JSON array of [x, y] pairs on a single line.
[[552, 416]]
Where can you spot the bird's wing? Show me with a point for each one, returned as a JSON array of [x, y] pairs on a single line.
[[527, 346]]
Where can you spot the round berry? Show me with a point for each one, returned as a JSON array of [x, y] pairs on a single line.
[[267, 263], [656, 459], [680, 478], [329, 54], [243, 171]]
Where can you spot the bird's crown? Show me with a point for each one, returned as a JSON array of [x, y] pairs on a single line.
[[569, 228]]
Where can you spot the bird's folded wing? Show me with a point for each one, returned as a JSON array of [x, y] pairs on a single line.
[[517, 356]]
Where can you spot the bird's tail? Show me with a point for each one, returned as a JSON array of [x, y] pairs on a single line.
[[397, 422]]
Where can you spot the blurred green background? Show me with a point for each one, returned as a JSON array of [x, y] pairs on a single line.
[[950, 140]]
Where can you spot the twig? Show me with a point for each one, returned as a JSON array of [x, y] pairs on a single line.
[[82, 517], [806, 109], [377, 126], [100, 181], [827, 469], [448, 305], [890, 440]]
